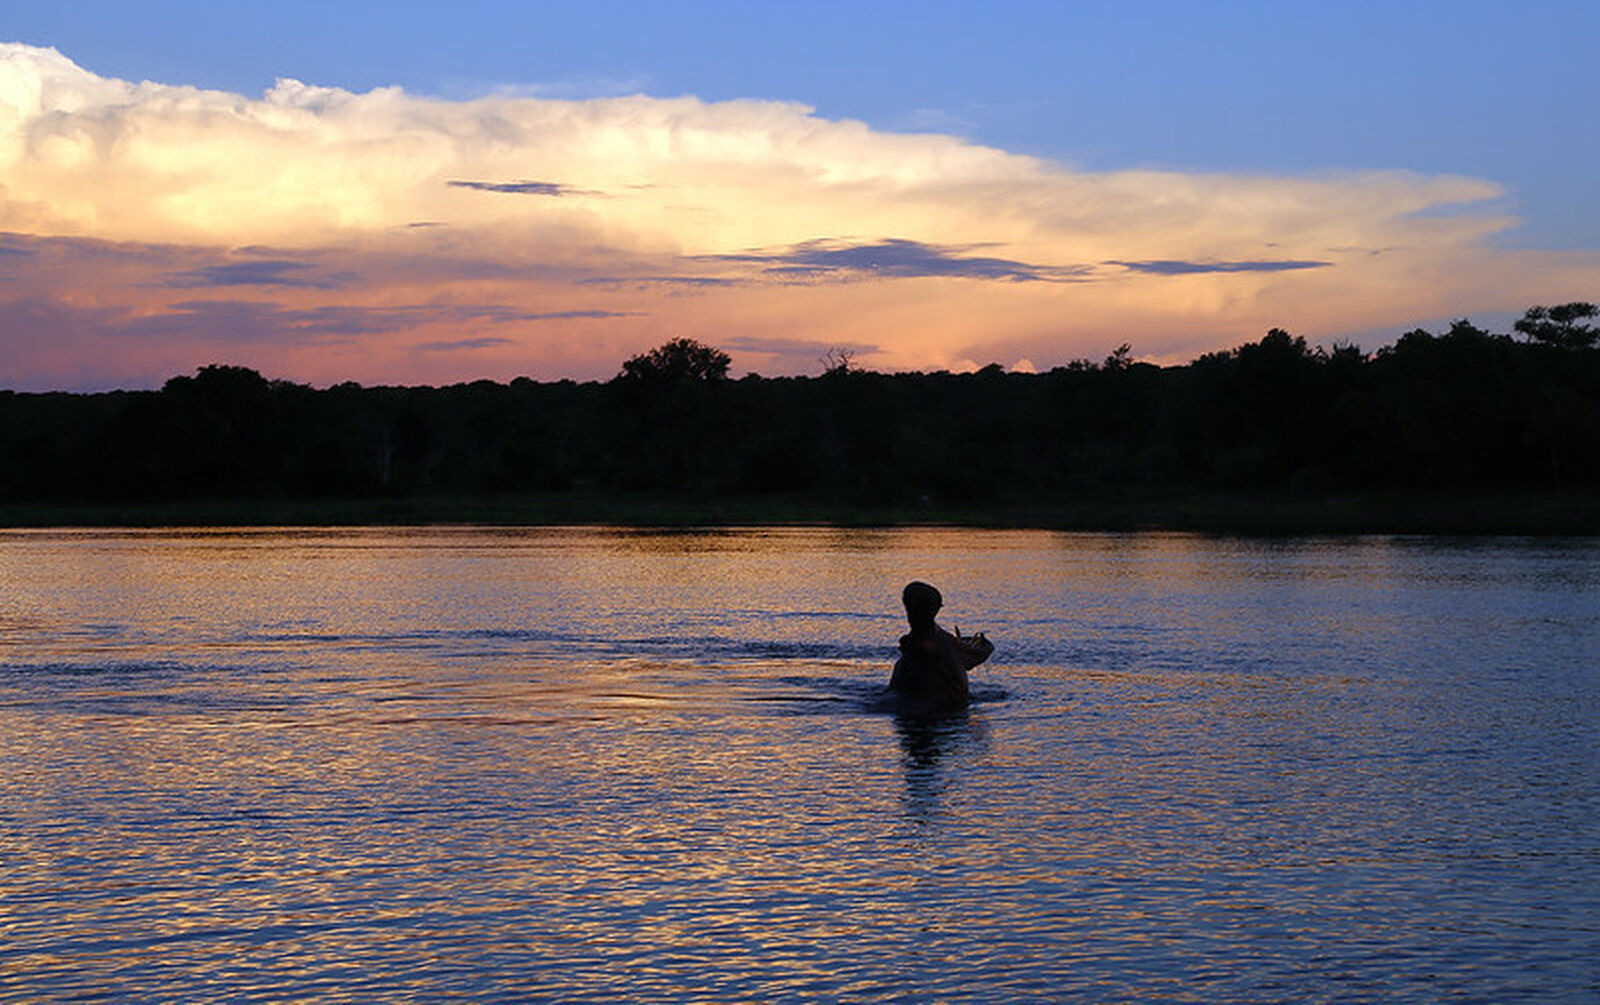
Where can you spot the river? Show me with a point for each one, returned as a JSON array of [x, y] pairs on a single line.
[[600, 763]]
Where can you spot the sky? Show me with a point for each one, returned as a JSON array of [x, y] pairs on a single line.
[[423, 194]]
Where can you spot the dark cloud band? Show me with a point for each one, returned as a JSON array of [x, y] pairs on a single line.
[[250, 320], [1177, 267], [894, 258], [264, 273], [547, 188], [464, 345]]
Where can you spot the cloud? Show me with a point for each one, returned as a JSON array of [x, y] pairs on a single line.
[[303, 165], [253, 320], [570, 315], [264, 273], [895, 258], [646, 281], [244, 320], [793, 354], [13, 253], [937, 120], [360, 224], [576, 87], [792, 346], [464, 344], [521, 188], [1172, 267]]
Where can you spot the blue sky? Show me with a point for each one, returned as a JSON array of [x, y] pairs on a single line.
[[555, 186]]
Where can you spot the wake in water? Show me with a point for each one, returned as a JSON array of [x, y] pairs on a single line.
[[833, 694]]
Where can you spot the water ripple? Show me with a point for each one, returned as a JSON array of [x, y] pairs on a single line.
[[591, 765]]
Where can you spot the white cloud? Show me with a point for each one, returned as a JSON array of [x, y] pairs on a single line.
[[305, 164], [584, 206]]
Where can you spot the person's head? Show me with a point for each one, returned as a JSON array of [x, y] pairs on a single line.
[[922, 603]]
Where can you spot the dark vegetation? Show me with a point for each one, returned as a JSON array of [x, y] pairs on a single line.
[[1408, 433]]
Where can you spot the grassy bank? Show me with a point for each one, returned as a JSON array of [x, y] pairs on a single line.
[[1383, 513]]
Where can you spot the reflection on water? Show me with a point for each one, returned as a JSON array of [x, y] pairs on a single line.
[[595, 764], [927, 744]]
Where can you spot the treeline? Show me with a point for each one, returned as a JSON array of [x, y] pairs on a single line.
[[1467, 409]]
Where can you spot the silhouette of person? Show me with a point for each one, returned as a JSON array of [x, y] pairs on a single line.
[[931, 673]]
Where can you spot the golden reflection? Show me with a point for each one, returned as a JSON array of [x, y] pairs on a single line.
[[366, 765]]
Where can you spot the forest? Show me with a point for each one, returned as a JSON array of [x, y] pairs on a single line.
[[1463, 411]]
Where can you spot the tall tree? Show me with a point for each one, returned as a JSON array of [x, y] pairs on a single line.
[[676, 361], [1561, 327]]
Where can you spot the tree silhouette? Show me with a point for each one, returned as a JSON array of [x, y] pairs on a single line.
[[1467, 409], [1560, 327], [838, 360], [677, 361], [1120, 359]]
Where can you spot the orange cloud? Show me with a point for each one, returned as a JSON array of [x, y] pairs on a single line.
[[325, 235]]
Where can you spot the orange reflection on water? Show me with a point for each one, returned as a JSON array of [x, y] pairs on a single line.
[[571, 763]]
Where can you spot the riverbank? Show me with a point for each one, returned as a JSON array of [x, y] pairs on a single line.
[[1268, 514]]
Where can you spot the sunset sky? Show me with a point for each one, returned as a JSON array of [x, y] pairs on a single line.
[[429, 193]]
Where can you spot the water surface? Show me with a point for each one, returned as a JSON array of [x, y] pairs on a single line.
[[583, 764]]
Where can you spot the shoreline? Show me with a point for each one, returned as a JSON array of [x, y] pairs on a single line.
[[1250, 514]]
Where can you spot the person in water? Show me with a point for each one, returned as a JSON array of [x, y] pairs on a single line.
[[931, 672]]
